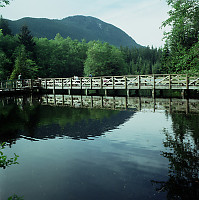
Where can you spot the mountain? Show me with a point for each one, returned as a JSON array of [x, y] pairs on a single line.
[[76, 27]]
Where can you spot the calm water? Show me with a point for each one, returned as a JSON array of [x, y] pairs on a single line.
[[83, 153]]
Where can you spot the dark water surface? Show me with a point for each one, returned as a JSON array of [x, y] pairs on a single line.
[[83, 153]]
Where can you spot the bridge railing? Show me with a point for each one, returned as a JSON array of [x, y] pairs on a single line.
[[19, 84], [156, 81]]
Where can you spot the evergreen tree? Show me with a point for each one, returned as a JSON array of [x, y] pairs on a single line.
[[26, 39]]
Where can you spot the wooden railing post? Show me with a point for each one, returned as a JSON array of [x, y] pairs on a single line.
[[53, 86], [138, 82], [80, 82], [62, 83], [31, 84], [187, 82], [71, 82], [154, 81], [113, 82], [169, 81], [46, 84]]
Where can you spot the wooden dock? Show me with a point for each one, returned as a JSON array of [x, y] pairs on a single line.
[[131, 82]]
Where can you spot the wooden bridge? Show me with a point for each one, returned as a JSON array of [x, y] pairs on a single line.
[[131, 82]]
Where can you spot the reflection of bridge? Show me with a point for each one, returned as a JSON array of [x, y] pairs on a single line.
[[109, 102], [131, 82], [138, 103]]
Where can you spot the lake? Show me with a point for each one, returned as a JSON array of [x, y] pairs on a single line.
[[74, 147]]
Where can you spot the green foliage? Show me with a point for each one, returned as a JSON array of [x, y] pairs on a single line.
[[15, 197], [3, 3], [24, 65], [104, 59], [4, 160], [4, 66], [181, 41], [60, 57], [8, 44], [4, 26], [26, 39], [143, 60], [64, 57]]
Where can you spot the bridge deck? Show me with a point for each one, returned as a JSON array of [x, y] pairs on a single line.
[[137, 82]]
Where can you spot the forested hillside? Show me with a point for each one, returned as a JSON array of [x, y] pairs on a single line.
[[64, 57], [75, 27]]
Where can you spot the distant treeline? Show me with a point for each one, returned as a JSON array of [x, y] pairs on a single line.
[[64, 57]]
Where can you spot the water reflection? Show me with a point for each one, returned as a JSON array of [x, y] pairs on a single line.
[[33, 121], [4, 160], [182, 152], [118, 103], [36, 118], [119, 165]]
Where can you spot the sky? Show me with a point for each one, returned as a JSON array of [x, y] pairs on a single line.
[[140, 19]]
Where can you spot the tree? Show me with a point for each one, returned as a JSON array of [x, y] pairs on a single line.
[[184, 22], [8, 45], [26, 39], [24, 65], [4, 160], [3, 3], [104, 59], [5, 64], [44, 50], [4, 26]]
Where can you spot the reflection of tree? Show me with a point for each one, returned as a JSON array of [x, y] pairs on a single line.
[[183, 155], [186, 124], [15, 117], [35, 121], [15, 197], [4, 160]]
